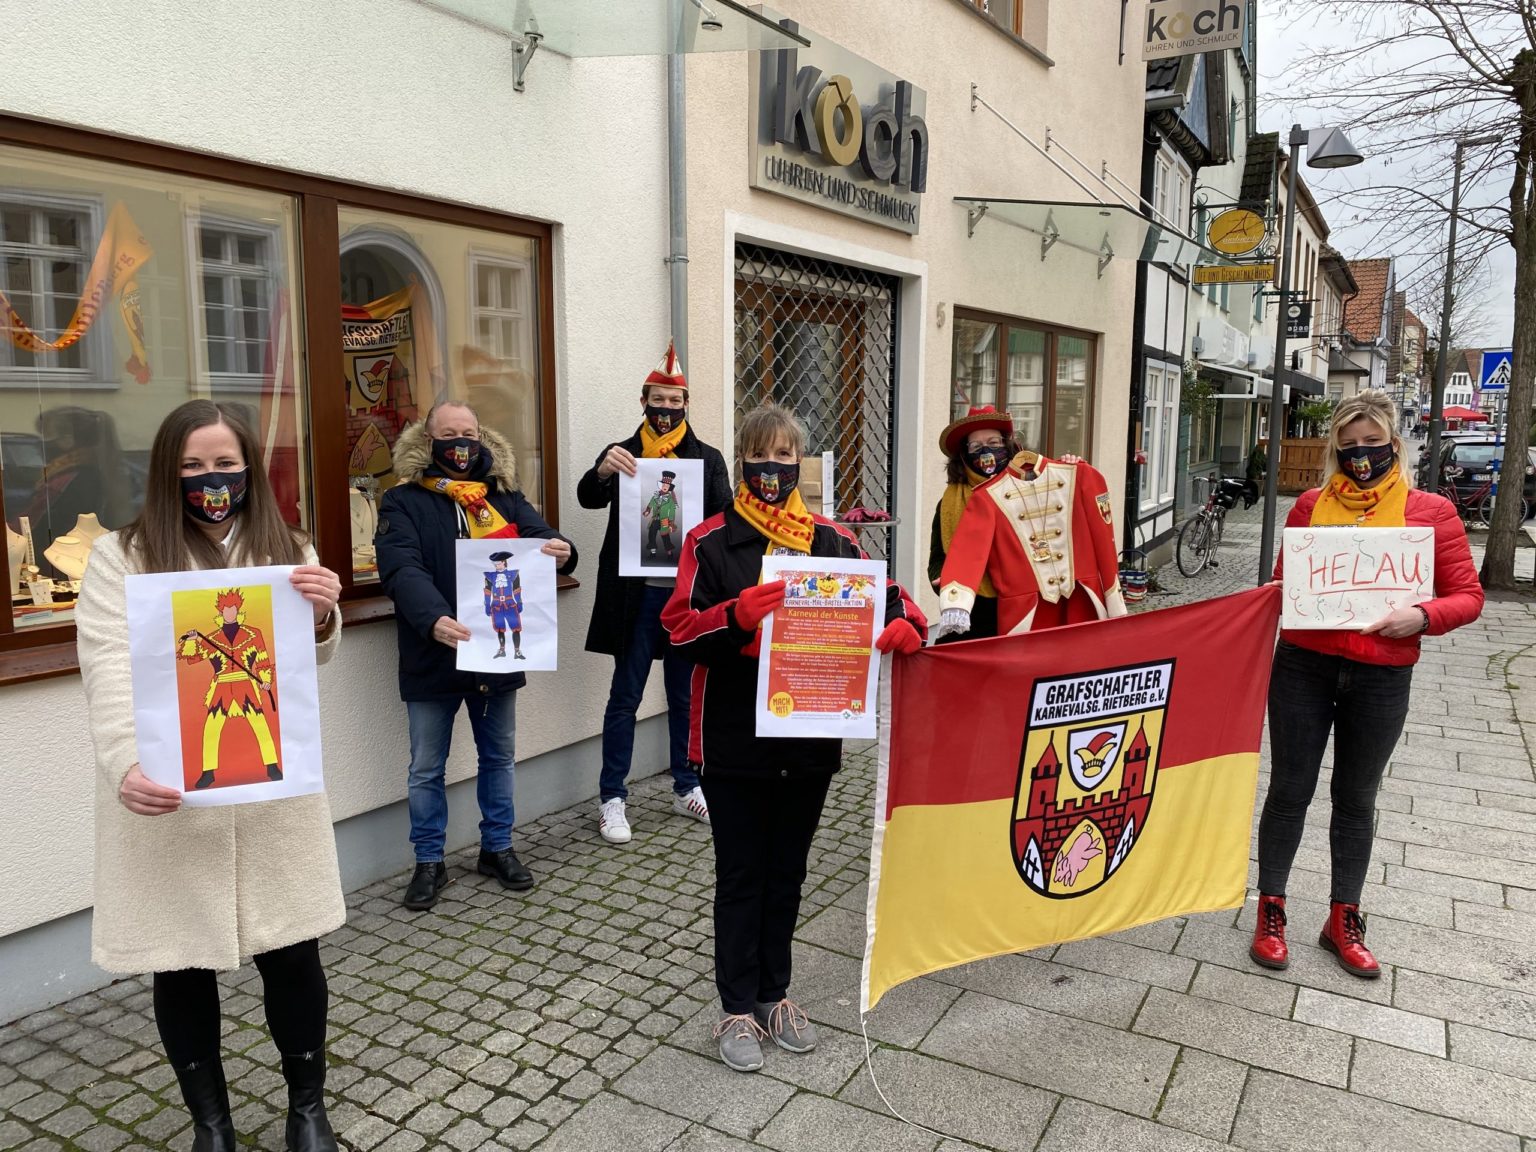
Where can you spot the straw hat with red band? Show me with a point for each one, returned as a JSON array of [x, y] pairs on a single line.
[[984, 419], [669, 372]]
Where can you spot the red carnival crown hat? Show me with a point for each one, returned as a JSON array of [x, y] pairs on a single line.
[[668, 371]]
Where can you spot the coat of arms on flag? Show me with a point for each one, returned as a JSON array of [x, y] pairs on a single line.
[[1052, 786], [1087, 771]]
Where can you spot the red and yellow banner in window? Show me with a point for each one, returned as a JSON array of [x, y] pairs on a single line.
[[1053, 786]]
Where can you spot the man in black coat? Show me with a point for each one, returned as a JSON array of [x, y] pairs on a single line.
[[457, 480], [626, 615]]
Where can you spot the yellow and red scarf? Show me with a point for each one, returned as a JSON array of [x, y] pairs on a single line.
[[1343, 502], [484, 521], [789, 525], [653, 447], [952, 507]]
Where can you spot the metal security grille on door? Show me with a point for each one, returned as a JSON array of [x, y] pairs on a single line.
[[820, 338]]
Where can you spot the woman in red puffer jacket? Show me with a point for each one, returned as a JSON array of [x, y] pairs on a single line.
[[1355, 684]]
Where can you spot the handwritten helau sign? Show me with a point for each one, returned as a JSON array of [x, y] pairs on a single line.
[[1347, 578]]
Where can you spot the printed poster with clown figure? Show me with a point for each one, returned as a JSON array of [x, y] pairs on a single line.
[[225, 693], [658, 507], [506, 598]]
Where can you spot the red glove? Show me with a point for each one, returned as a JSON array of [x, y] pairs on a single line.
[[899, 637], [754, 604]]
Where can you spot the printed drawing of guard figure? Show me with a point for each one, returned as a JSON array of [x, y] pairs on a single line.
[[504, 605], [662, 514], [242, 671]]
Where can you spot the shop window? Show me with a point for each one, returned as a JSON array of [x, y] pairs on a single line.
[[46, 244], [1045, 381], [255, 288]]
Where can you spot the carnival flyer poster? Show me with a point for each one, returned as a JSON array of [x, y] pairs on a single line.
[[659, 505], [507, 601], [818, 670], [226, 702], [1343, 578]]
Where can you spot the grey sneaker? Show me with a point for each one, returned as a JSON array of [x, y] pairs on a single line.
[[739, 1037], [787, 1025]]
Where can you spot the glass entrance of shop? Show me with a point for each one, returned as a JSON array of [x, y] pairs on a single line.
[[820, 338]]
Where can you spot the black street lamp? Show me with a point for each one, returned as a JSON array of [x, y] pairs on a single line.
[[1328, 148]]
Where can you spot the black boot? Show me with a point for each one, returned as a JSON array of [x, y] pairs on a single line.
[[308, 1129], [207, 1097], [427, 882]]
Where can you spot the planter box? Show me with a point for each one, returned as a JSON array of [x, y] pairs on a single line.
[[1301, 464]]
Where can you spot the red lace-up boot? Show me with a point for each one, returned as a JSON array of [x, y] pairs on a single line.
[[1268, 946], [1344, 936]]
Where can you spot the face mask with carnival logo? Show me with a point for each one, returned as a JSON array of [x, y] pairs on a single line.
[[663, 420], [214, 497], [1366, 463], [986, 460], [459, 454], [771, 482]]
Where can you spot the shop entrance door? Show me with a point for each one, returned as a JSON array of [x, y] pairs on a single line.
[[820, 338]]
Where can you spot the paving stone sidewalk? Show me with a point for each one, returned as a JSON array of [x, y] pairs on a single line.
[[577, 1017]]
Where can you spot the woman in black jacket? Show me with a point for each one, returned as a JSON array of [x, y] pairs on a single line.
[[765, 795]]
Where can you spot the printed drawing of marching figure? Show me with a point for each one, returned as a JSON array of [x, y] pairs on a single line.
[[243, 686], [504, 605], [661, 515]]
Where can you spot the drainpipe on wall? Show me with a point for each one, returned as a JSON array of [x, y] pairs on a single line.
[[1150, 142], [677, 199]]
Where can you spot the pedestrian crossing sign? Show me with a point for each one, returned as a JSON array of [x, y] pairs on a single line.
[[1497, 368]]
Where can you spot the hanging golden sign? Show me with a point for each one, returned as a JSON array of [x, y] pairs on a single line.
[[1236, 232]]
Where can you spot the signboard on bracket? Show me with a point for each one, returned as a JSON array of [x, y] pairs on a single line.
[[1235, 274]]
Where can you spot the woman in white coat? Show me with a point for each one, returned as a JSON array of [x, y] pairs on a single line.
[[184, 892]]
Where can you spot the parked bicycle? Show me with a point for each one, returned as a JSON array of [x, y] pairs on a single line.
[[1475, 505], [1201, 534]]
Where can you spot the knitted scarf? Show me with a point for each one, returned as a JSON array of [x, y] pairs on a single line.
[[653, 446], [1343, 502], [788, 525], [951, 508], [484, 521]]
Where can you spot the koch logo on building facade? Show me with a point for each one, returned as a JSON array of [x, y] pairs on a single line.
[[832, 129], [1180, 27]]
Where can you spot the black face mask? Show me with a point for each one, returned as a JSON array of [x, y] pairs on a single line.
[[213, 497], [987, 461], [1365, 464], [458, 455], [663, 420], [770, 481]]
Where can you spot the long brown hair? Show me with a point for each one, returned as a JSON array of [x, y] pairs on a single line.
[[165, 539]]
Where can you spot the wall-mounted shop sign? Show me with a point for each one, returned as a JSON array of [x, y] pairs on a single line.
[[1181, 27], [831, 129], [1298, 319], [1235, 274]]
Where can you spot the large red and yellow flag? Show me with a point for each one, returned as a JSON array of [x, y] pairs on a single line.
[[1053, 786]]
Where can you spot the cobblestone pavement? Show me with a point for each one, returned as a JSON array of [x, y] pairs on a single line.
[[577, 1017]]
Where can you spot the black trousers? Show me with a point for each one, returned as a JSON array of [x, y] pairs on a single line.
[[762, 828], [293, 992], [1365, 706]]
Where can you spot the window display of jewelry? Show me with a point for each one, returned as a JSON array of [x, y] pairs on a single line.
[[69, 555], [15, 557], [365, 522]]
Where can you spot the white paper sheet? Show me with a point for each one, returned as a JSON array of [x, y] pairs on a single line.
[[224, 684], [817, 670], [518, 594], [1346, 578], [646, 548]]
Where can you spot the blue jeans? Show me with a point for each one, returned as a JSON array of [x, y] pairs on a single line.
[[493, 719], [630, 672]]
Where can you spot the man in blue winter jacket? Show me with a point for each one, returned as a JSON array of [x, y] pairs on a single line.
[[457, 481]]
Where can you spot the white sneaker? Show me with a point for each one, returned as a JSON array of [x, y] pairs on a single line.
[[612, 822], [691, 804]]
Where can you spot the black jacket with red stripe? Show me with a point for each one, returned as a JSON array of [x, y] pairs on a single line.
[[722, 557]]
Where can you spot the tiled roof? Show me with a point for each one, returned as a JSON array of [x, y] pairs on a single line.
[[1412, 320], [1161, 74], [1362, 314], [1474, 362]]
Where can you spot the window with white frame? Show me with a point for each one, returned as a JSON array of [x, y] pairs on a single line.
[[1151, 409], [1167, 448], [46, 247], [1159, 435], [1161, 184], [1180, 195], [235, 268], [501, 308]]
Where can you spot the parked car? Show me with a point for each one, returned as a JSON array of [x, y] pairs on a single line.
[[1465, 463]]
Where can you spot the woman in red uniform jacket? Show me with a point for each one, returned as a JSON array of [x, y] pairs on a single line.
[[765, 795], [1354, 683]]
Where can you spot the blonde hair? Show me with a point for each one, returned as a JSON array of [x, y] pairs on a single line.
[[764, 426], [1373, 405]]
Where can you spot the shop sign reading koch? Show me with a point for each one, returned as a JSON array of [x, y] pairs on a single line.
[[831, 129]]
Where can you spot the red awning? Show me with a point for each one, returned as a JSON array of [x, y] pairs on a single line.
[[1469, 415]]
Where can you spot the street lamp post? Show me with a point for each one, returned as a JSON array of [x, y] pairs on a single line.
[[1331, 150], [1437, 389]]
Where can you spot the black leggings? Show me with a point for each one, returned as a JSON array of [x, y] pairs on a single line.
[[294, 992]]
